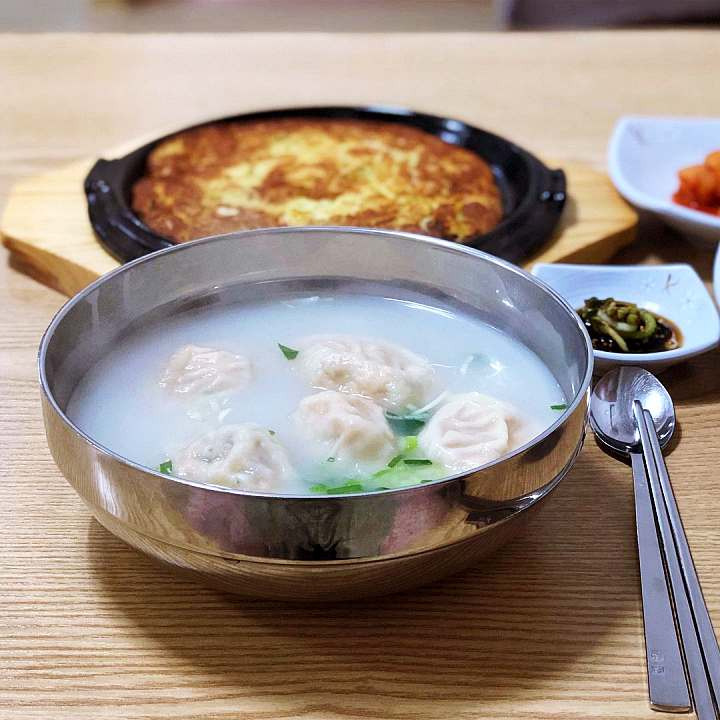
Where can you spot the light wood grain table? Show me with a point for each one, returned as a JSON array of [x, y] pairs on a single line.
[[549, 628]]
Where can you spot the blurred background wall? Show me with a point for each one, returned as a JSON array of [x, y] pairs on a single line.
[[246, 15], [344, 15]]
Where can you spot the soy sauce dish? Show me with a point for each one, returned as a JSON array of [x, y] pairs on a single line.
[[315, 413], [652, 316]]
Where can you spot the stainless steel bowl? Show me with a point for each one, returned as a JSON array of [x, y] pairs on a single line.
[[309, 547]]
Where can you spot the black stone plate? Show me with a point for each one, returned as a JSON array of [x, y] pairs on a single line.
[[533, 195]]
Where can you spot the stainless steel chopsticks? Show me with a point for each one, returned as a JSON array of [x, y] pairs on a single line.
[[667, 684], [700, 646]]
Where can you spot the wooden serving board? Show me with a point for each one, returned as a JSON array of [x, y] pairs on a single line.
[[46, 228]]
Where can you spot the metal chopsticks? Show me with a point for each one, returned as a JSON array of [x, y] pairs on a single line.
[[700, 646], [668, 689]]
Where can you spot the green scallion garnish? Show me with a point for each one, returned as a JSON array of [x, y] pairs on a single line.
[[348, 487], [408, 423], [411, 443], [417, 461], [288, 352], [166, 467], [561, 406], [395, 461]]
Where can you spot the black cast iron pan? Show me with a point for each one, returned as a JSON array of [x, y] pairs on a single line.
[[533, 195]]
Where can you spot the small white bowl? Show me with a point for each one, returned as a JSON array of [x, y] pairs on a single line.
[[673, 291], [644, 157]]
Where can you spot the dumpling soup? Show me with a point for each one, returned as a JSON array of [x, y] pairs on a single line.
[[334, 392]]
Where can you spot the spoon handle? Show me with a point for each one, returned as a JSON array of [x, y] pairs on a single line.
[[708, 640], [667, 685], [702, 696]]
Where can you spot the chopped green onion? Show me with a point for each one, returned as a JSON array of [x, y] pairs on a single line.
[[561, 406], [348, 487], [288, 352], [272, 432], [166, 467], [380, 473], [401, 471], [411, 443], [407, 424]]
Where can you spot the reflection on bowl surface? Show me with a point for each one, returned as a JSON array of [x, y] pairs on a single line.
[[368, 508]]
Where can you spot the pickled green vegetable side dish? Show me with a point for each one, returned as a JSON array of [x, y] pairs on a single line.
[[624, 327]]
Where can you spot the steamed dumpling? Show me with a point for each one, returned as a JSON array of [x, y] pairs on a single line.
[[346, 427], [392, 376], [471, 429], [244, 456], [194, 370]]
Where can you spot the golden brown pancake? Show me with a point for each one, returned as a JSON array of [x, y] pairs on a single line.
[[306, 171]]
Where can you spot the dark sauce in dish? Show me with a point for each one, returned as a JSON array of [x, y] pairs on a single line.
[[623, 327]]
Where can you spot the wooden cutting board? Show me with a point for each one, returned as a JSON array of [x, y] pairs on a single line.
[[46, 228]]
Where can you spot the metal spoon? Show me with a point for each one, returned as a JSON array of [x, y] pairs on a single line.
[[634, 393], [612, 421]]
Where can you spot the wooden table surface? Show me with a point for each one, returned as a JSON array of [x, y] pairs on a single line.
[[551, 627]]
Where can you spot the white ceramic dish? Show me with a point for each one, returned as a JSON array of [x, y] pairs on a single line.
[[673, 291], [644, 157]]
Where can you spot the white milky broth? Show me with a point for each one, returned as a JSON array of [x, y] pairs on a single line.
[[487, 393]]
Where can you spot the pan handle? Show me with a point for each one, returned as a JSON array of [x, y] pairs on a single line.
[[555, 189], [117, 227], [531, 225]]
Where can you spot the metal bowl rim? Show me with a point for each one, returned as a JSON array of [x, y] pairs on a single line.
[[324, 230]]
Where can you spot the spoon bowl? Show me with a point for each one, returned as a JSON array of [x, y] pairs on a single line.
[[611, 408]]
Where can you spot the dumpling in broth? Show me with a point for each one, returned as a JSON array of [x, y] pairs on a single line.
[[348, 428], [195, 370], [472, 429], [244, 456], [392, 376]]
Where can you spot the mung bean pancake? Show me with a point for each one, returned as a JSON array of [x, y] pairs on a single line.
[[223, 177]]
